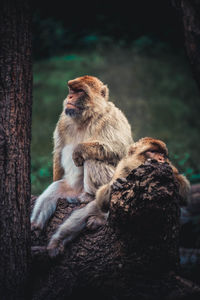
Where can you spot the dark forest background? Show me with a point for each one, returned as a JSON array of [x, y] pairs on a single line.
[[137, 48]]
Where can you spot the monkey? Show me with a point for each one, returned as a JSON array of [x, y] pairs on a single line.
[[145, 149], [90, 138], [96, 213]]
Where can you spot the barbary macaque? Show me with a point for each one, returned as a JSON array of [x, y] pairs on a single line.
[[145, 149], [90, 138], [96, 212]]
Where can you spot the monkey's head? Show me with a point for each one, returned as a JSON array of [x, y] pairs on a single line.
[[149, 148], [86, 95]]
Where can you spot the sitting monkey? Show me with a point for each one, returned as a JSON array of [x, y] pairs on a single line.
[[90, 138], [96, 212]]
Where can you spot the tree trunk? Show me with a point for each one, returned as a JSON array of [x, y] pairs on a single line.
[[134, 256], [190, 14], [15, 136]]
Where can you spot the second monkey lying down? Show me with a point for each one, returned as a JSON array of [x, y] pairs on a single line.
[[96, 212]]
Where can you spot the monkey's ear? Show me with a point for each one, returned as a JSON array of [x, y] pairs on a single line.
[[105, 92]]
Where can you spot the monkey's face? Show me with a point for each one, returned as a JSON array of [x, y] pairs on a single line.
[[75, 103], [155, 154], [87, 94], [156, 149], [149, 148]]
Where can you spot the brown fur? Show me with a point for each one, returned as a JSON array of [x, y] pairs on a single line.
[[138, 153], [101, 133], [91, 85], [90, 138]]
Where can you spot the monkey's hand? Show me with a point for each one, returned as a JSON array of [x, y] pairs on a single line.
[[89, 150], [117, 184], [78, 155]]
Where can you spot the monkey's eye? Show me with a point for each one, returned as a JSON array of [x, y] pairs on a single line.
[[153, 151], [79, 91]]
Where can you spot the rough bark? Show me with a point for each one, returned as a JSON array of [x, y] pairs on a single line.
[[134, 256], [15, 135], [190, 14]]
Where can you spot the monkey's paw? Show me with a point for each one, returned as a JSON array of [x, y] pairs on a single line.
[[36, 228], [77, 157], [55, 247], [94, 222], [117, 185], [72, 199]]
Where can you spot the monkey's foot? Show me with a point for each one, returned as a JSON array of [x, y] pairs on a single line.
[[36, 229], [86, 198], [35, 250], [55, 247], [72, 200], [94, 222]]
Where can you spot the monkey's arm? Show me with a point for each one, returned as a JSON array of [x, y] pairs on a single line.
[[94, 150]]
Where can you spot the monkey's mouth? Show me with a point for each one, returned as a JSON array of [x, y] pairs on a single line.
[[72, 110], [71, 106]]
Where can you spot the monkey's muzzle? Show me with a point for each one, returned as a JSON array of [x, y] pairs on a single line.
[[71, 106], [72, 110]]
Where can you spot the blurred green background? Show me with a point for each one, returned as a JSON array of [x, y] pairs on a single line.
[[138, 52]]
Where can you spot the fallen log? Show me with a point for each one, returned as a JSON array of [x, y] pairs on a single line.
[[134, 256]]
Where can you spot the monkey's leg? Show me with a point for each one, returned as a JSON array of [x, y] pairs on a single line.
[[46, 203], [69, 229]]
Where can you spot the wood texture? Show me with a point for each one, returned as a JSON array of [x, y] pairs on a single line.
[[15, 135], [190, 14]]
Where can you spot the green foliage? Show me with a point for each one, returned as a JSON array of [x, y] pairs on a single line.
[[150, 83], [183, 162], [49, 36], [41, 173]]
